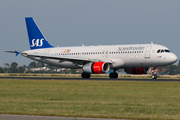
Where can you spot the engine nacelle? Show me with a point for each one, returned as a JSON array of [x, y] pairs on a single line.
[[96, 67], [142, 70]]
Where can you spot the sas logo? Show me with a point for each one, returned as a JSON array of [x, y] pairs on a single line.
[[37, 42], [158, 56]]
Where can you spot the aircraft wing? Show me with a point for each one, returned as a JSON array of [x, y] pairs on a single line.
[[65, 58], [59, 57]]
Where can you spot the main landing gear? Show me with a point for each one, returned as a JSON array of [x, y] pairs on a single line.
[[85, 75], [113, 74]]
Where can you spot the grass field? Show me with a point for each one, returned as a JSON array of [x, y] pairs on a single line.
[[92, 99]]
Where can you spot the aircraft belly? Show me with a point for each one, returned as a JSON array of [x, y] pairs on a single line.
[[64, 64], [135, 61], [57, 63]]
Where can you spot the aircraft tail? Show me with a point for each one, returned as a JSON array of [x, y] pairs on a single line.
[[36, 38]]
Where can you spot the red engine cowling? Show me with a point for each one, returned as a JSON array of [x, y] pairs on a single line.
[[142, 70], [96, 67]]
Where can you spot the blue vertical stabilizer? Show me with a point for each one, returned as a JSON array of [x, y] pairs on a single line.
[[36, 38]]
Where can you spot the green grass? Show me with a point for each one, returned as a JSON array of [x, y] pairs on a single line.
[[94, 99]]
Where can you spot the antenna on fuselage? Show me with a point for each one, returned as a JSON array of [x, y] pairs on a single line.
[[83, 45], [151, 42]]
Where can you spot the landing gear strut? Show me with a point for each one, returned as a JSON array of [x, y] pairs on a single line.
[[154, 74], [113, 74], [85, 75]]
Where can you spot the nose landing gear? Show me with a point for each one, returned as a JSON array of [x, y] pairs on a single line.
[[154, 74]]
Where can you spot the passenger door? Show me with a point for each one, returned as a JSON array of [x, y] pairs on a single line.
[[147, 51]]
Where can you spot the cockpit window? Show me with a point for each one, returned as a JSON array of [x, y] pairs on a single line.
[[161, 51], [167, 51], [158, 51]]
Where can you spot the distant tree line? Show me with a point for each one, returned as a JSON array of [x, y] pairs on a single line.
[[14, 68]]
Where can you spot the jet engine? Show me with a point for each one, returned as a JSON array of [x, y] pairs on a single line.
[[96, 67], [142, 70]]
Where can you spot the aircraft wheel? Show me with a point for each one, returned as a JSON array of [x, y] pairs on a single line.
[[113, 75], [85, 75], [154, 76]]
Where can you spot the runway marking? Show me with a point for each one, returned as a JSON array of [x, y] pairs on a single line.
[[95, 79]]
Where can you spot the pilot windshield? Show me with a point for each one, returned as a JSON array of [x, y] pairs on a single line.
[[161, 51]]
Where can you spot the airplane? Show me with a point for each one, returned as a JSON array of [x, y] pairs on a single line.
[[133, 58]]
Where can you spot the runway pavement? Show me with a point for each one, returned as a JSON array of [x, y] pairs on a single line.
[[28, 117], [95, 79]]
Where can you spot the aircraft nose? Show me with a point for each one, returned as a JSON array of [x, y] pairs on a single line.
[[173, 58]]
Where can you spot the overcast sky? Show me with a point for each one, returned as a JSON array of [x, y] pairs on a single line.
[[89, 22]]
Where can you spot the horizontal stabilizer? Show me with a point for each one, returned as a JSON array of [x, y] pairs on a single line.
[[17, 53]]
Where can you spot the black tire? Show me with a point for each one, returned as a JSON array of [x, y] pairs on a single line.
[[85, 75], [113, 75], [154, 76]]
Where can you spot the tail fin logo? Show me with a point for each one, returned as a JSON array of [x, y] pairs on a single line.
[[37, 42], [36, 38]]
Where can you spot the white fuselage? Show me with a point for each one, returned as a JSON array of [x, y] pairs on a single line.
[[137, 55]]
